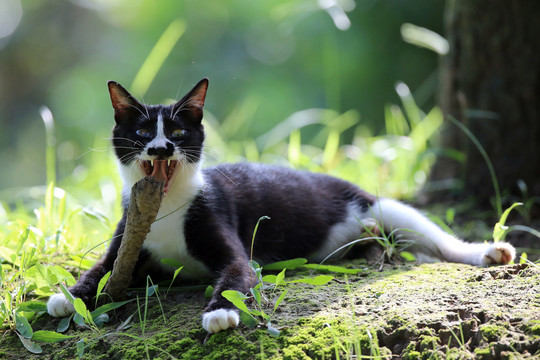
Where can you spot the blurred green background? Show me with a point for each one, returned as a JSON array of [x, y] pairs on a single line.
[[266, 61]]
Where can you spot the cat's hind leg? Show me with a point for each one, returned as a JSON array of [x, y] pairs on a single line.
[[410, 224]]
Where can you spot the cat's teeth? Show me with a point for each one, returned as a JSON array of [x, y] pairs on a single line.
[[168, 163], [152, 162]]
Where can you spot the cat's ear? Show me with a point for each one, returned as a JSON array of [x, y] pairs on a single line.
[[193, 101], [123, 102]]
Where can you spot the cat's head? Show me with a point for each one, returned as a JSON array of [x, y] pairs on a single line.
[[157, 140]]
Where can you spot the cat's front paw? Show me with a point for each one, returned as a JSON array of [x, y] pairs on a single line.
[[59, 306], [499, 253], [220, 319]]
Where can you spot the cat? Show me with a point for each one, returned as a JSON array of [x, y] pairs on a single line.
[[207, 217]]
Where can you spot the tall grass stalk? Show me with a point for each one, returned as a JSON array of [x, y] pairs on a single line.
[[50, 152], [157, 57], [489, 164]]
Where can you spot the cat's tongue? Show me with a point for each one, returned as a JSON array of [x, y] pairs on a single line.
[[159, 172]]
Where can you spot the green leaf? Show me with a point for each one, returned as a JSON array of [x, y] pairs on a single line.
[[500, 229], [256, 294], [102, 283], [287, 264], [523, 258], [50, 336], [280, 277], [30, 345], [61, 274], [407, 256], [270, 278], [80, 307], [101, 319], [63, 325], [23, 326], [318, 280], [8, 254], [176, 273], [280, 299], [78, 319], [32, 306], [208, 292], [248, 319], [237, 298], [332, 268]]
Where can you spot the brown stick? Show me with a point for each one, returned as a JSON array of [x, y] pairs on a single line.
[[144, 203]]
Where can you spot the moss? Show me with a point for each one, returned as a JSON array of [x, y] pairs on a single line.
[[181, 346], [492, 332], [428, 342], [532, 327], [412, 355], [294, 352], [484, 353]]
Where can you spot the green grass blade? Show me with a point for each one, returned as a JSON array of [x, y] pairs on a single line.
[[500, 230], [489, 164], [108, 307], [157, 57], [50, 152]]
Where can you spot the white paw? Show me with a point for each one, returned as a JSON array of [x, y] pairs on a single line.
[[499, 253], [221, 319], [59, 306]]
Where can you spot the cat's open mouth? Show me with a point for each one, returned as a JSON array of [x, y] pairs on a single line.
[[162, 170]]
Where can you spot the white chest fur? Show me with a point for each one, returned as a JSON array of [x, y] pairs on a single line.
[[166, 240]]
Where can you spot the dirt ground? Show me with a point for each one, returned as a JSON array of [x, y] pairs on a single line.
[[408, 311]]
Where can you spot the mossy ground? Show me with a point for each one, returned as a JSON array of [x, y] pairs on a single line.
[[429, 311]]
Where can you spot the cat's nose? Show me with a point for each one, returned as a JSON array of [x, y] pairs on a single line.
[[161, 152]]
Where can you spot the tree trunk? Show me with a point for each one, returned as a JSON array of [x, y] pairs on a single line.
[[490, 83]]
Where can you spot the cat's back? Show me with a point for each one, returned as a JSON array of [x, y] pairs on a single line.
[[260, 181]]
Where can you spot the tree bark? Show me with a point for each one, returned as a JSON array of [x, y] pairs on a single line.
[[490, 83], [144, 203]]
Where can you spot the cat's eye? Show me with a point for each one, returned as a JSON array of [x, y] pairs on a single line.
[[178, 133], [143, 133]]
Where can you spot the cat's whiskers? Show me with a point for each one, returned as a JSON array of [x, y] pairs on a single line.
[[142, 113], [136, 142], [186, 105], [91, 150], [131, 157]]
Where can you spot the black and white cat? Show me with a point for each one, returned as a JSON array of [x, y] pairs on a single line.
[[207, 217]]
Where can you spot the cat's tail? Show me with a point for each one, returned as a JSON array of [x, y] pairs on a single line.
[[410, 224]]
